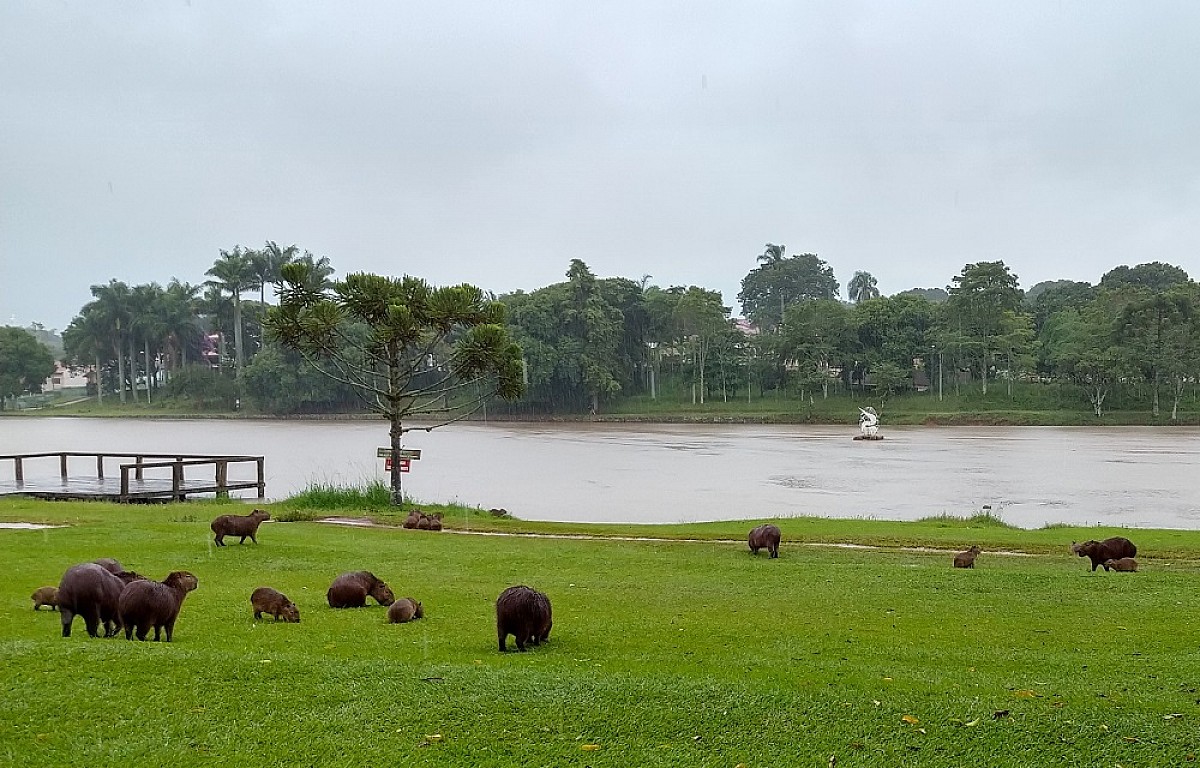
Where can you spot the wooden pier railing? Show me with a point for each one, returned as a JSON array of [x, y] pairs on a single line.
[[133, 484]]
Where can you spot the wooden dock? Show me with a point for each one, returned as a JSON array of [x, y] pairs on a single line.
[[128, 477]]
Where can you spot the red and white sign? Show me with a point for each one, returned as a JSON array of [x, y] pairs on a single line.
[[405, 465]]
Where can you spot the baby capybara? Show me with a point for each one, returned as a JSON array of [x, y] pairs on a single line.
[[350, 590], [93, 592], [274, 602], [45, 596], [405, 609], [145, 604], [1127, 564], [1109, 549], [967, 559], [523, 613], [413, 519], [765, 537], [238, 525]]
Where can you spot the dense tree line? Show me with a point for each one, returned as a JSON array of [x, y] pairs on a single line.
[[587, 342]]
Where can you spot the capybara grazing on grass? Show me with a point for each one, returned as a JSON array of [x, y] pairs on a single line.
[[967, 559], [238, 525], [1126, 564], [1109, 549], [145, 604], [92, 592], [405, 609], [350, 590], [523, 613], [765, 537], [274, 602], [45, 596]]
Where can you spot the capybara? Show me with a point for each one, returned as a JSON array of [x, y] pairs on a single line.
[[145, 604], [413, 519], [424, 523], [405, 609], [109, 564], [523, 613], [45, 596], [92, 592], [435, 521], [967, 559], [238, 525], [1109, 549], [350, 590], [1127, 564], [765, 537], [274, 602]]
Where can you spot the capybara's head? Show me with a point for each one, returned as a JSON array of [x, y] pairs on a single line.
[[290, 613], [261, 514], [382, 593], [182, 580], [1083, 549], [418, 610], [975, 550]]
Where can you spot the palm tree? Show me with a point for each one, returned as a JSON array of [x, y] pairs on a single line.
[[178, 313], [112, 307], [85, 340], [773, 254], [234, 272], [147, 323], [267, 264], [862, 287], [318, 273]]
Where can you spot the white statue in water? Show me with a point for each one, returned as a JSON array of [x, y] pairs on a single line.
[[868, 422]]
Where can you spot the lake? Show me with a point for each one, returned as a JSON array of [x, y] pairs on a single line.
[[625, 473]]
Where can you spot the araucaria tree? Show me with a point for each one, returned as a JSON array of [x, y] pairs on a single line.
[[408, 349]]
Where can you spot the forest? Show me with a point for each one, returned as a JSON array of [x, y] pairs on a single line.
[[588, 343]]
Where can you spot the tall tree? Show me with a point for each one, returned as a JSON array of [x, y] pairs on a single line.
[[862, 287], [979, 297], [112, 306], [779, 282], [418, 351], [234, 273], [1148, 325], [87, 342], [25, 363], [1154, 276], [267, 263], [701, 320]]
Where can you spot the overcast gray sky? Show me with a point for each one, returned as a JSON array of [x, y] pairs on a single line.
[[492, 142]]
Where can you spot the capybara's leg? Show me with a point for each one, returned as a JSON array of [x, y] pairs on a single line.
[[129, 632], [503, 645], [257, 615], [219, 539], [66, 617], [142, 630], [170, 628], [253, 539], [91, 617]]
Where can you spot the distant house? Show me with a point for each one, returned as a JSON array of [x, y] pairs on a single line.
[[66, 378], [745, 326]]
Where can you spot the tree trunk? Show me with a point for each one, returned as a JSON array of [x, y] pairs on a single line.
[[237, 336], [120, 372], [133, 370], [1156, 394], [149, 366], [396, 433], [99, 382]]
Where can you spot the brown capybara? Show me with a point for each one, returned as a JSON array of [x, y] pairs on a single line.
[[424, 524], [350, 590], [274, 602], [413, 519], [1126, 564], [405, 609], [765, 537], [109, 564], [238, 525], [524, 613], [1109, 549], [967, 559], [93, 592], [45, 596], [435, 521], [145, 604]]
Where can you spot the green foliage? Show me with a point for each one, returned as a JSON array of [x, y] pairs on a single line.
[[203, 389], [779, 282], [662, 653], [24, 363]]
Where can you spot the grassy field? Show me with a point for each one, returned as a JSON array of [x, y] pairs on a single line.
[[663, 653]]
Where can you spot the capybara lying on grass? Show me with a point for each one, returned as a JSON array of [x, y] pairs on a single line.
[[45, 596], [350, 590], [1127, 564], [238, 525], [967, 559], [523, 613], [145, 604], [1109, 549], [405, 609], [91, 591], [274, 602], [765, 537], [422, 521]]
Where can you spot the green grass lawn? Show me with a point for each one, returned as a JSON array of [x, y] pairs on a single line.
[[688, 653]]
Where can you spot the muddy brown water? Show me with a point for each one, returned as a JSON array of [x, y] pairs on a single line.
[[591, 472]]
